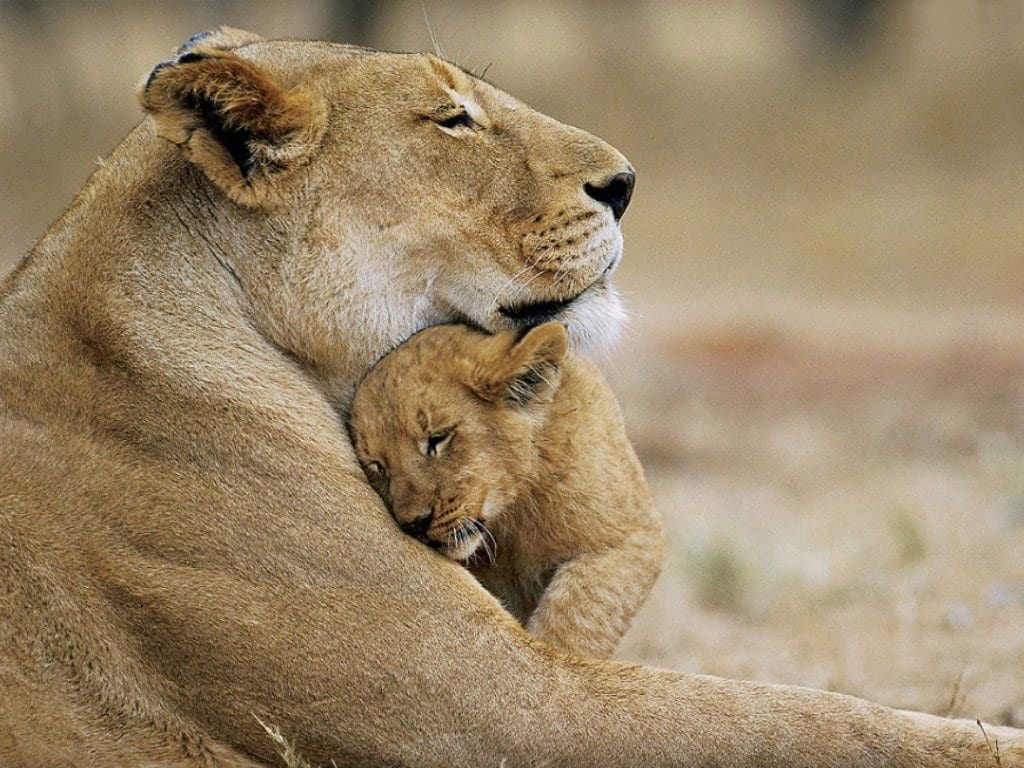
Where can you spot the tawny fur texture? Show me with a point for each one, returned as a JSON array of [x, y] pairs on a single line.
[[187, 541], [501, 452]]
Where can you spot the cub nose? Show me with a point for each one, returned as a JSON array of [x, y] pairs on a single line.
[[418, 526], [614, 192]]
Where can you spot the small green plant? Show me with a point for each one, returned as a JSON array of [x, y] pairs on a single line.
[[908, 537], [718, 575]]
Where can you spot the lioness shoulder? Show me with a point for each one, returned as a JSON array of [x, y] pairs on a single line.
[[508, 454]]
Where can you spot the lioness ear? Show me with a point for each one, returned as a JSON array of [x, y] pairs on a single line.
[[231, 119], [223, 38], [522, 370]]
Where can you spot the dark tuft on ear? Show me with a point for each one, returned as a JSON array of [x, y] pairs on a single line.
[[522, 368], [530, 383], [222, 38], [156, 70], [191, 56], [233, 120], [193, 41]]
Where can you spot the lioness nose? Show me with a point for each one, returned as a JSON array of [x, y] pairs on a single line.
[[614, 192], [419, 526]]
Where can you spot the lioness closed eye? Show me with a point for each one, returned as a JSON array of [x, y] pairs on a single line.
[[501, 452]]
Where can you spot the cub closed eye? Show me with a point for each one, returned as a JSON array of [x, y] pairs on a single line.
[[438, 441], [457, 120], [376, 469]]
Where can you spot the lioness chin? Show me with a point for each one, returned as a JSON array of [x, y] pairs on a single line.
[[187, 541]]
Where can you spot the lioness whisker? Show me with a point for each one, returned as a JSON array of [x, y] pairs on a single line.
[[508, 283], [524, 285], [438, 50]]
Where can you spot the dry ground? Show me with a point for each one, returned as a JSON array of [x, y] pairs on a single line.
[[845, 514], [825, 375]]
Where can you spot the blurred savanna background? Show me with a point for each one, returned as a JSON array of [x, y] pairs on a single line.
[[824, 372]]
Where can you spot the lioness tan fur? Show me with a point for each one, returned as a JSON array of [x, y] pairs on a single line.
[[187, 541], [500, 451]]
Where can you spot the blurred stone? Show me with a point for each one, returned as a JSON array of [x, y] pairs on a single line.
[[1014, 517], [1000, 595], [958, 617], [1014, 715]]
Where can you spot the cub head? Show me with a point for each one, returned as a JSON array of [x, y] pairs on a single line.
[[444, 427], [359, 196]]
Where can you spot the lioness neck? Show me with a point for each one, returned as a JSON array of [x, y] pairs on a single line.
[[96, 309]]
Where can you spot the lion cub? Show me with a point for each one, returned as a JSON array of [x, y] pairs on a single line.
[[506, 454]]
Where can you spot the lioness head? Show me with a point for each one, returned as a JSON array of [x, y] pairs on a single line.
[[357, 196], [444, 427]]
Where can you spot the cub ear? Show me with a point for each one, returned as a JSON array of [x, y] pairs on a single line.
[[522, 368], [231, 119]]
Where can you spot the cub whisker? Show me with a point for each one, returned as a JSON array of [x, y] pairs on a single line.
[[492, 549], [481, 530]]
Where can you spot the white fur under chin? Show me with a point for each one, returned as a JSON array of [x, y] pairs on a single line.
[[595, 321], [464, 548]]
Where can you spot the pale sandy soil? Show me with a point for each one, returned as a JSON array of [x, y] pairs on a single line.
[[843, 513]]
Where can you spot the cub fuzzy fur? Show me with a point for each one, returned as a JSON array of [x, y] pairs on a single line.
[[507, 454]]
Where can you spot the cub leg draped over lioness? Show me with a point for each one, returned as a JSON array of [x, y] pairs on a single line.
[[186, 538], [591, 599], [501, 452]]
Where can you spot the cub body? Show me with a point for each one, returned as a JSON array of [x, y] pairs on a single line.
[[506, 454]]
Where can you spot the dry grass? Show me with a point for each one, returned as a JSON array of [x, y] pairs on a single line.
[[290, 757], [825, 377], [841, 516]]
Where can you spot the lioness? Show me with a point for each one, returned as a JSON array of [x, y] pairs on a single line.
[[502, 444], [186, 538]]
